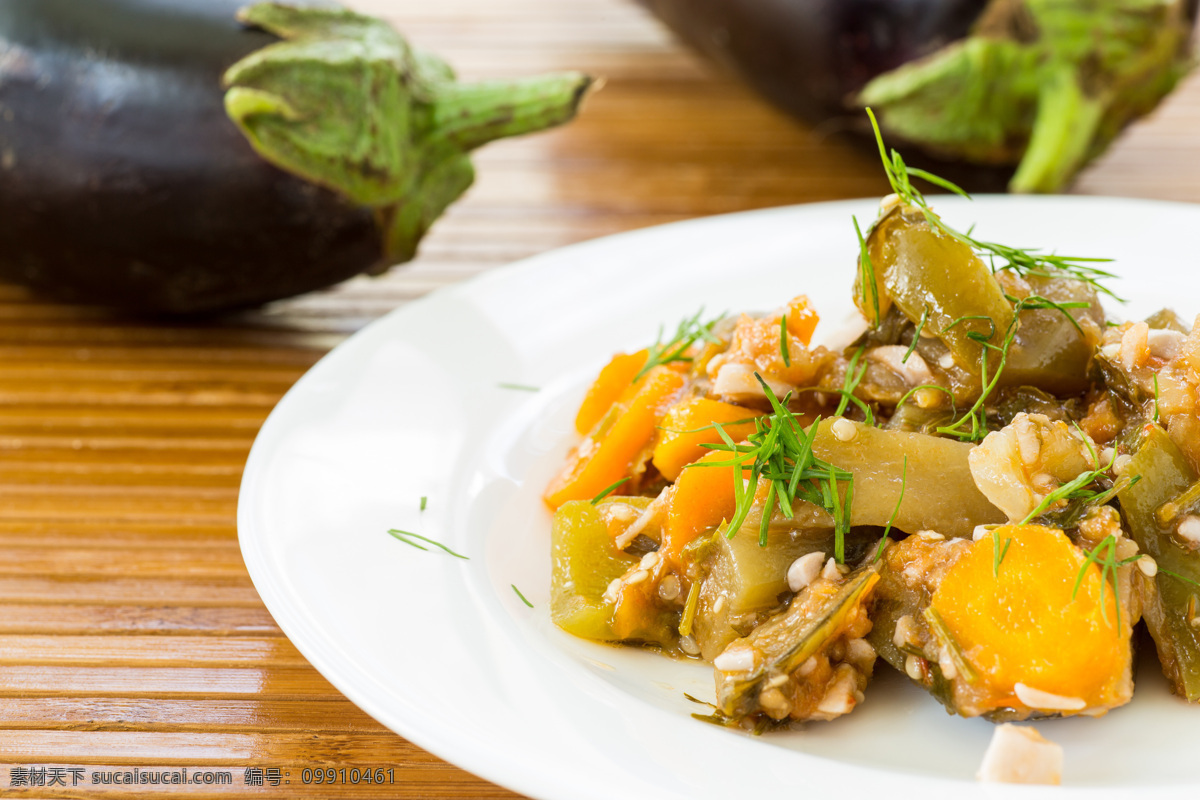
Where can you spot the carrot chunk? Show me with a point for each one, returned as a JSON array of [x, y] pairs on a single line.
[[1027, 623], [700, 500], [801, 319], [608, 387], [688, 426], [613, 447]]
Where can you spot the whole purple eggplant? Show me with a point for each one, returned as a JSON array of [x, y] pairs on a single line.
[[191, 156], [1031, 88]]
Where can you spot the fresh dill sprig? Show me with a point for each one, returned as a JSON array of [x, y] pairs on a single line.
[[916, 335], [403, 536], [1177, 576], [523, 598], [867, 273], [518, 387], [780, 451], [998, 554], [690, 331], [850, 383], [424, 500], [607, 490], [976, 415], [1023, 261], [1077, 489], [888, 528], [783, 341], [1156, 398], [1105, 555]]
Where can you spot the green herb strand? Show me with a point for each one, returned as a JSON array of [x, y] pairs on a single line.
[[402, 536], [523, 598], [607, 490], [689, 331]]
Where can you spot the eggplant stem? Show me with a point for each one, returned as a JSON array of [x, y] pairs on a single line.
[[1063, 132]]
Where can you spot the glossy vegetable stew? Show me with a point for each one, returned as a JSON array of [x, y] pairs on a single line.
[[990, 490]]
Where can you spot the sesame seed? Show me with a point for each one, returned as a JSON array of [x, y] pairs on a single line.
[[831, 572], [719, 605], [637, 577], [906, 632], [740, 659], [649, 561], [946, 361], [613, 590], [981, 531], [804, 570], [688, 645], [1037, 699], [777, 681], [1189, 528], [844, 430], [1121, 463], [912, 667], [1148, 566], [668, 588], [931, 536]]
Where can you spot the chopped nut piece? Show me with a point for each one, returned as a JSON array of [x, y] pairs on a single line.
[[1019, 754]]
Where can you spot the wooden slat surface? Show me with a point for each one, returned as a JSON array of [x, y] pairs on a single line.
[[130, 634]]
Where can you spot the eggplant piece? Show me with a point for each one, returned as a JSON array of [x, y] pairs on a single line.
[[128, 183], [1039, 86], [585, 561], [940, 283], [1150, 507], [939, 493], [809, 662]]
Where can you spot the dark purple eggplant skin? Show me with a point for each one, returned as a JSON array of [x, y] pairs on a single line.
[[124, 183], [810, 57]]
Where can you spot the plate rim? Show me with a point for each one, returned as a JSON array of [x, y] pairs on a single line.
[[437, 738]]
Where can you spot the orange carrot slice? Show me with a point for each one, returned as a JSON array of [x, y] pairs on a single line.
[[1027, 622], [688, 426], [801, 319], [612, 448], [700, 500], [608, 387]]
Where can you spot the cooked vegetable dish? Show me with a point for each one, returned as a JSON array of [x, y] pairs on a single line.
[[989, 490]]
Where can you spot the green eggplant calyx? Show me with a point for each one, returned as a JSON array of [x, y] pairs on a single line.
[[1039, 84], [343, 101]]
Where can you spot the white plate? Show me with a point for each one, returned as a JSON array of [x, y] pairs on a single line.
[[444, 652]]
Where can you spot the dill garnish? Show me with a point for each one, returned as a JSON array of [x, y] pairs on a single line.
[[867, 274], [1078, 490], [1023, 261], [1105, 555], [916, 335], [780, 452], [1156, 398], [998, 554], [523, 598], [607, 490], [972, 426], [850, 383], [403, 536], [424, 500], [518, 387], [976, 415], [690, 331]]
